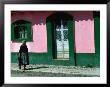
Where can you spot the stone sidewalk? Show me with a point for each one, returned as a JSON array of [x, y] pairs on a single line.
[[41, 70]]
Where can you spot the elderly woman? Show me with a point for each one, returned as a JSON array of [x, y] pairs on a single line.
[[23, 55]]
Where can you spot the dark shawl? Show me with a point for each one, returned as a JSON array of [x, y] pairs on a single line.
[[24, 49]]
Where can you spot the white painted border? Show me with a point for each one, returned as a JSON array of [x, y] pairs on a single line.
[[56, 80]]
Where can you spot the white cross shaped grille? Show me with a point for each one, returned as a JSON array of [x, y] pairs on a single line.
[[62, 41]]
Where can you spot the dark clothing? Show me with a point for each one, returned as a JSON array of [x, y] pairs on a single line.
[[23, 48], [23, 55]]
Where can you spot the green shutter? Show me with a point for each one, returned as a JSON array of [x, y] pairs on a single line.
[[97, 34], [49, 39], [29, 32], [71, 40], [12, 32]]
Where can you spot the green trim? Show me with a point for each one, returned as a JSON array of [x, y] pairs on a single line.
[[83, 59], [39, 58], [49, 39], [29, 30], [71, 40], [33, 58], [97, 39], [12, 32], [97, 34]]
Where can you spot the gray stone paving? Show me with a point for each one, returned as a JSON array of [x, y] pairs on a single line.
[[41, 70]]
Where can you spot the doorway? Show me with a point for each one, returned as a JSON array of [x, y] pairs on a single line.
[[60, 36], [62, 42]]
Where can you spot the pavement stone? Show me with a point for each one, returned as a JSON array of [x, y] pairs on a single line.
[[43, 70]]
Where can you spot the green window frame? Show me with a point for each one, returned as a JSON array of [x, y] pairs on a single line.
[[21, 30]]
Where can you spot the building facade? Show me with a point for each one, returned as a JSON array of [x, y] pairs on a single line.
[[57, 37]]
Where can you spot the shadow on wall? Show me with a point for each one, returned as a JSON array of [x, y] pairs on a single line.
[[35, 17], [83, 16], [39, 17]]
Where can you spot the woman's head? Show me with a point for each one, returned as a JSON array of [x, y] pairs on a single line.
[[24, 41]]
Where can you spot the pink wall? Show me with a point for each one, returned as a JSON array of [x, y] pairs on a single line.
[[84, 31]]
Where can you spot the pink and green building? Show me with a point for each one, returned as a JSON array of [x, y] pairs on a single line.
[[57, 37]]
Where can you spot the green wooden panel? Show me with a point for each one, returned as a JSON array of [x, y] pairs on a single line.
[[49, 39], [34, 58], [40, 58], [12, 32], [29, 30], [87, 59], [97, 34], [83, 59], [71, 40], [97, 39]]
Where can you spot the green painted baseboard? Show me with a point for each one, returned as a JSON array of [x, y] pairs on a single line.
[[82, 59]]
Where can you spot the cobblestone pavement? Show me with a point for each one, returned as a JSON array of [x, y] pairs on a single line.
[[41, 70]]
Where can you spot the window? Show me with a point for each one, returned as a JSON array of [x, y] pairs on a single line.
[[58, 35], [21, 30], [65, 33]]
